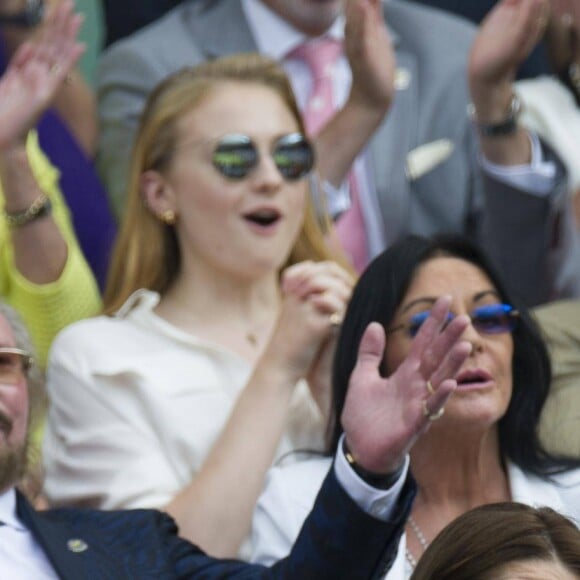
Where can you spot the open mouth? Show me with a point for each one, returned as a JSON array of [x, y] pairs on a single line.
[[473, 378], [263, 218]]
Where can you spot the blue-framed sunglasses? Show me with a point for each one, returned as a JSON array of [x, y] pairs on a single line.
[[488, 319], [236, 155]]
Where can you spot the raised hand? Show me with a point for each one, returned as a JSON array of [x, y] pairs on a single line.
[[36, 72], [563, 34], [383, 417], [506, 37], [370, 54]]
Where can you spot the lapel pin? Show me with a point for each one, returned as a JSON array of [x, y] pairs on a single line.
[[77, 545], [402, 79]]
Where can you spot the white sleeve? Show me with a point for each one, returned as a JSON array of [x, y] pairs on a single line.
[[379, 503], [537, 178], [287, 499]]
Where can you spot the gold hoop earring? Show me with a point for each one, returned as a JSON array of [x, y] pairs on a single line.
[[168, 217]]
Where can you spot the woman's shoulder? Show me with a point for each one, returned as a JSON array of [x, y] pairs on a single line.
[[560, 492], [106, 334]]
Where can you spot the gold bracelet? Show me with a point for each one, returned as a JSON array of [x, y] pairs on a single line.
[[40, 207]]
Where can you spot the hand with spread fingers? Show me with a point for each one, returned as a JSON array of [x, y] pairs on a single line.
[[383, 417], [37, 71]]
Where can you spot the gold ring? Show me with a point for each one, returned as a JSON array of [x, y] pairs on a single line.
[[54, 68], [432, 416], [430, 388], [335, 319]]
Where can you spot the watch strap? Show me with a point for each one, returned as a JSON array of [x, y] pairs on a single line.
[[506, 126]]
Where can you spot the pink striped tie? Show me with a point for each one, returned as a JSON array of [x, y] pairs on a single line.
[[321, 56]]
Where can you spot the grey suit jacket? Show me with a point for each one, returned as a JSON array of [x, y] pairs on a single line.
[[532, 239]]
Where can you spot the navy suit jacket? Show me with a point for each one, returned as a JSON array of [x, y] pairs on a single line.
[[337, 541]]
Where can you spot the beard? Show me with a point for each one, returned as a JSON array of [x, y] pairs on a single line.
[[13, 464], [13, 458]]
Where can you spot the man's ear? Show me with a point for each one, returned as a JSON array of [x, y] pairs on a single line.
[[157, 193]]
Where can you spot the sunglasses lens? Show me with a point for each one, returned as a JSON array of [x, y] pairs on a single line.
[[494, 318], [418, 319], [416, 322], [234, 156], [294, 156]]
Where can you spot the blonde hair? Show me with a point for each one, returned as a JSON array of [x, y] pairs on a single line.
[[147, 253]]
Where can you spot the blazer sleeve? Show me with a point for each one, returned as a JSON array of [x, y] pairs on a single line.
[[338, 541], [533, 239]]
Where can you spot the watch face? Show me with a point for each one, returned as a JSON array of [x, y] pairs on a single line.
[[31, 15]]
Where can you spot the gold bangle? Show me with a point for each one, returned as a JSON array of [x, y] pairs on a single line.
[[40, 207]]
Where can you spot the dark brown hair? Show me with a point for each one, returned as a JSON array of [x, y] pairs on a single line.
[[479, 543]]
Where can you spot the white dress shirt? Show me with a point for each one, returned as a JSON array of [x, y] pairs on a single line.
[[275, 38], [21, 558]]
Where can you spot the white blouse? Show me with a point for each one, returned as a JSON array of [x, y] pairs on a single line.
[[291, 490], [136, 404]]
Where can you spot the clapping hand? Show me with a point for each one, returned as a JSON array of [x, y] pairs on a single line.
[[563, 34], [505, 39], [370, 54], [383, 417]]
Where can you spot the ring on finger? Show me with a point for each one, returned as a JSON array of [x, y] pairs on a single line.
[[430, 388], [54, 68], [432, 416]]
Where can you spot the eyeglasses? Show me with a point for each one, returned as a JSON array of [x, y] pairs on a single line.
[[236, 155], [13, 363], [489, 319]]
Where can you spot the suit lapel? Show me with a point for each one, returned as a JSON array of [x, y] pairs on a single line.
[[220, 27], [53, 537]]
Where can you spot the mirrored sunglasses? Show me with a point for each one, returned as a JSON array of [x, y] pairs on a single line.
[[236, 155], [488, 319], [13, 363]]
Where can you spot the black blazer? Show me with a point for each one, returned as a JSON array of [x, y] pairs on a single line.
[[337, 541]]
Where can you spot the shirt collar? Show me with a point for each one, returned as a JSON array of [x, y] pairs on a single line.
[[274, 37], [8, 510]]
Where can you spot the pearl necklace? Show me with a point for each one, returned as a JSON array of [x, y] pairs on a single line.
[[420, 536]]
